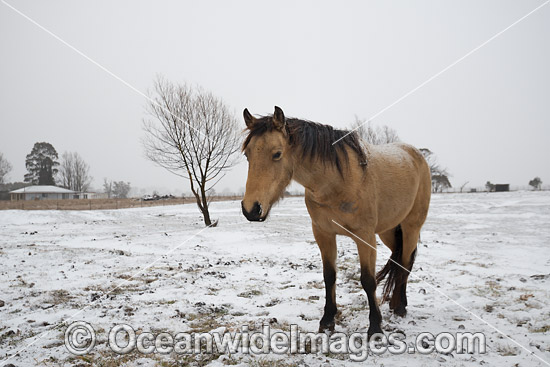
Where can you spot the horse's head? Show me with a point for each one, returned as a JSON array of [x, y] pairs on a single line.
[[270, 164]]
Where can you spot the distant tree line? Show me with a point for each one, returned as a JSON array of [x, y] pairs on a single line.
[[45, 168], [374, 134], [116, 189]]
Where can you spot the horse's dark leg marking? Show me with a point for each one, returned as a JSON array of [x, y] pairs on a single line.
[[400, 308], [327, 245], [329, 274], [399, 267], [369, 285], [367, 256], [398, 302], [397, 271], [393, 270]]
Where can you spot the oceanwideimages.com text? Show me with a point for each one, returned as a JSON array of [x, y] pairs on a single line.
[[80, 338]]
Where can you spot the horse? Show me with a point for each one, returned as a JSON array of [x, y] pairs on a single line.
[[351, 188]]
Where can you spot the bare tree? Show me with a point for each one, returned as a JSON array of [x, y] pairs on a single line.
[[440, 175], [192, 134], [121, 189], [374, 134], [5, 168], [116, 189], [74, 173], [108, 187]]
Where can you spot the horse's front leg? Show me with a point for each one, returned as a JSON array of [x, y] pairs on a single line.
[[366, 247], [327, 244]]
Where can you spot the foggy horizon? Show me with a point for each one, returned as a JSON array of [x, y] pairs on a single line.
[[486, 118]]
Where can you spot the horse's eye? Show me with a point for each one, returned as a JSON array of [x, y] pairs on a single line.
[[277, 155]]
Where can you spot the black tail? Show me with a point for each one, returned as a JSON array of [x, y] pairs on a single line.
[[396, 274]]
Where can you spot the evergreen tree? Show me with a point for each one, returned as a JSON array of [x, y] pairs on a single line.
[[41, 164]]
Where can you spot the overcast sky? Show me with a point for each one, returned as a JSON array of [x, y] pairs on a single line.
[[486, 118]]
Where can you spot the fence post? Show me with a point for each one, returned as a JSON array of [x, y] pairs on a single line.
[[90, 202]]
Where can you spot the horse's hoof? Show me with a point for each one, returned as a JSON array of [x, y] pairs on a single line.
[[400, 311], [324, 327], [375, 331]]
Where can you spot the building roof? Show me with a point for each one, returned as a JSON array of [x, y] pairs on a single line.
[[42, 189]]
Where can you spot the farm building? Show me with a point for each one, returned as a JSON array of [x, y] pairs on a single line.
[[46, 193], [502, 187]]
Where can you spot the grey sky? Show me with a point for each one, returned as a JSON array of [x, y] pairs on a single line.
[[487, 118]]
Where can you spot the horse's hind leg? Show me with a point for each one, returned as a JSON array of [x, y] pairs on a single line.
[[410, 228], [398, 301], [403, 245], [327, 244]]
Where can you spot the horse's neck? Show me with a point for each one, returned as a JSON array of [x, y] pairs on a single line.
[[322, 181]]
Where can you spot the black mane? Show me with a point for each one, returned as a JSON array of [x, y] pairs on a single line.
[[314, 140]]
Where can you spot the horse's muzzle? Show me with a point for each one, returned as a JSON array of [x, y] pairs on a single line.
[[255, 215]]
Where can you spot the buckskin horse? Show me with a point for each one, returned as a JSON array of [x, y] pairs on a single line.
[[352, 189]]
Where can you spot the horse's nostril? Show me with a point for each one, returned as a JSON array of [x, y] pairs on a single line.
[[256, 210], [254, 214]]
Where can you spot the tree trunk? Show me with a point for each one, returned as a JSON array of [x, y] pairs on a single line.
[[205, 212], [203, 205], [206, 216]]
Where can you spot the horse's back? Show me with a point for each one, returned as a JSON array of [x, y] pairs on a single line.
[[397, 154]]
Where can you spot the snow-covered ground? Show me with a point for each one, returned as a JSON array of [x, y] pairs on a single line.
[[490, 253]]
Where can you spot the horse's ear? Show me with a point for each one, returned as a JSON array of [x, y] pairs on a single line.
[[279, 118], [248, 118]]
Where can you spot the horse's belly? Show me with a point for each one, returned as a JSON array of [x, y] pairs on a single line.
[[391, 217]]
